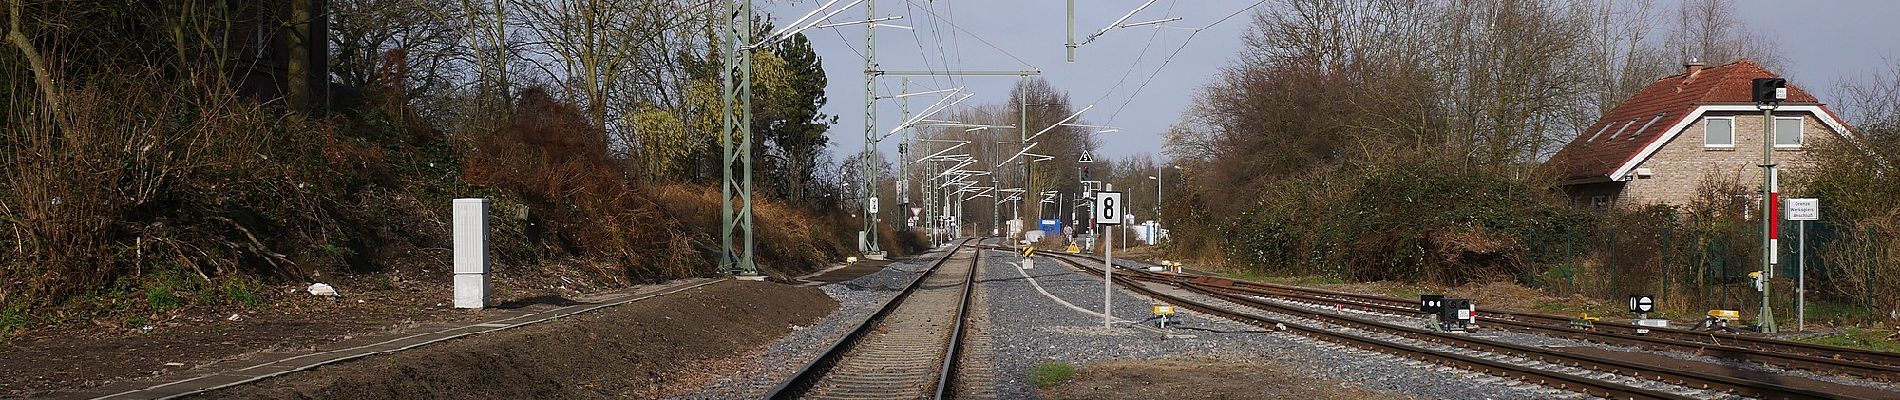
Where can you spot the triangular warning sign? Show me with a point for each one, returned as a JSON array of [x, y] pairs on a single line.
[[1085, 158]]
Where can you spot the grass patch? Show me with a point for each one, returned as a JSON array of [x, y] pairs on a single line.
[[161, 293], [13, 319], [1405, 293], [1822, 311], [1857, 338], [1050, 373], [1243, 275], [1552, 306], [241, 291]]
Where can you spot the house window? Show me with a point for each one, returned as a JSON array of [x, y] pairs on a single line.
[[1788, 132], [1718, 132]]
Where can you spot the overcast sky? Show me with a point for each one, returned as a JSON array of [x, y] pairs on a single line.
[[1824, 41]]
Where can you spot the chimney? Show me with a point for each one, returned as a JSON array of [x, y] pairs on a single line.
[[1691, 69]]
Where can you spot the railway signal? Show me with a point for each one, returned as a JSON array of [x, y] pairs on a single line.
[[1768, 93], [1642, 303]]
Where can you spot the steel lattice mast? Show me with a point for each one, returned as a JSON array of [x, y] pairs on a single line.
[[736, 143], [871, 158]]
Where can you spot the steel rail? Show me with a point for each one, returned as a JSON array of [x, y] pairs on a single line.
[[1554, 379], [1557, 326], [1682, 378], [1711, 338], [946, 376], [1782, 353], [808, 375]]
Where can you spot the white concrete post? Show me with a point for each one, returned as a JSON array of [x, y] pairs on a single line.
[[471, 253]]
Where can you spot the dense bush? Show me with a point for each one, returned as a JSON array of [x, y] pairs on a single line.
[[1413, 222]]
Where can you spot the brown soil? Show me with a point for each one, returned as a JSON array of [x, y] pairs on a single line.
[[1204, 378], [87, 348], [635, 350]]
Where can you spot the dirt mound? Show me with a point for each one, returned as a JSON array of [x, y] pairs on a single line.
[[1202, 378], [630, 351]]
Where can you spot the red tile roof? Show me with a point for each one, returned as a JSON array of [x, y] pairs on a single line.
[[1673, 98]]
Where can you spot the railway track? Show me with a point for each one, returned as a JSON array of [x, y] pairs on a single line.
[[908, 349], [1593, 374], [1780, 353]]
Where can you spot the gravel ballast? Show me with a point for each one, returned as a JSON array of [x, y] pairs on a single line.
[[1028, 328]]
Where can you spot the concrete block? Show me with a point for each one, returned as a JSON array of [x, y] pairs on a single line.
[[471, 290]]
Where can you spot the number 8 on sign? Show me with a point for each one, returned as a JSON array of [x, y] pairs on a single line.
[[1109, 203]]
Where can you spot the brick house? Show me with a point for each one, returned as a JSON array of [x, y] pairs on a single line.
[[1661, 144]]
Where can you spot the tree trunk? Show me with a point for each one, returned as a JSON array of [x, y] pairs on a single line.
[[42, 75]]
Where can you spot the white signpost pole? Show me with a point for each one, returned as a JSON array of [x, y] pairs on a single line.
[[1803, 210], [1108, 213]]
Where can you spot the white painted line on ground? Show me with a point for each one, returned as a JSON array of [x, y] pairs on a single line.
[[1058, 300], [806, 277]]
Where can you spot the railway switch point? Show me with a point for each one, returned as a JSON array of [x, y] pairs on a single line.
[[1163, 314], [1584, 322], [1719, 320]]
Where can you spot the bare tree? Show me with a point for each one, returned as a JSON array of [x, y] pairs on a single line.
[[1708, 30]]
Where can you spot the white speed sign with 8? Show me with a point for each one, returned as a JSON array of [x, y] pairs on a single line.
[[1108, 208]]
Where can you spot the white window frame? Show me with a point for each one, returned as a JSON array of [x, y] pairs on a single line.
[[1731, 133], [1800, 133]]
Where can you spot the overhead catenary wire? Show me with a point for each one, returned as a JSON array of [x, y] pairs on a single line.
[[979, 38], [1171, 56], [1133, 66]]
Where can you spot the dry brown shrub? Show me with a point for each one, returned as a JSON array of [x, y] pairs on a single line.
[[1474, 254], [788, 240], [557, 164], [135, 174]]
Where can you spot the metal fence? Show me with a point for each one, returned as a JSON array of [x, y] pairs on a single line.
[[1694, 266]]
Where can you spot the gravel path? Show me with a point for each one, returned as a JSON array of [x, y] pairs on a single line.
[[857, 299], [1028, 328]]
